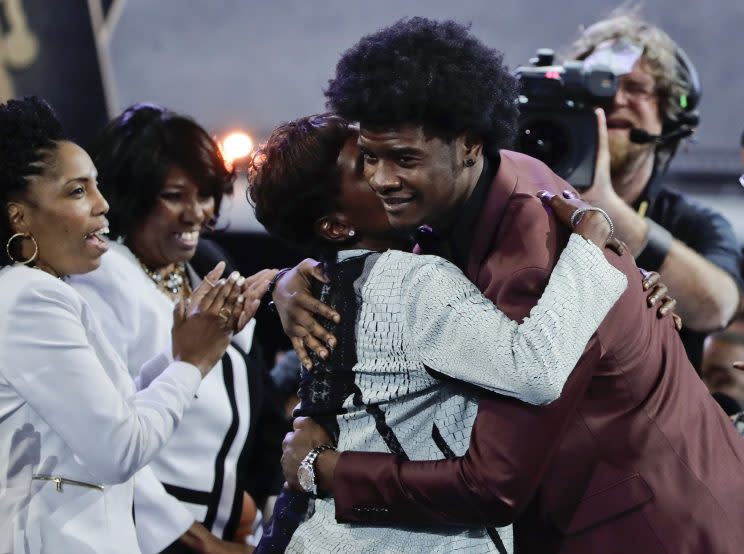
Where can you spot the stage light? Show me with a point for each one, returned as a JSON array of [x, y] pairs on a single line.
[[236, 146]]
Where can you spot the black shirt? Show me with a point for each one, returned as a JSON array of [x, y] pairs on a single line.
[[455, 246], [706, 232]]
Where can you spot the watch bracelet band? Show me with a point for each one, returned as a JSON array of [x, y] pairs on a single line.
[[309, 462], [658, 243], [272, 286]]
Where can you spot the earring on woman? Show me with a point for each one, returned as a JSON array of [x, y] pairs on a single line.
[[351, 233], [22, 236]]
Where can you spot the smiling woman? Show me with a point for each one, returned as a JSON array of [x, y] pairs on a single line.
[[74, 429], [165, 179], [56, 213], [65, 212]]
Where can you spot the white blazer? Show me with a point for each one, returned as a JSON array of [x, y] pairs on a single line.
[[73, 428], [201, 459]]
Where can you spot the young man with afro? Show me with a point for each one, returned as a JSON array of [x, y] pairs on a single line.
[[635, 456]]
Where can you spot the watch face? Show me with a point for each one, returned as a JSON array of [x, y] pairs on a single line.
[[306, 478]]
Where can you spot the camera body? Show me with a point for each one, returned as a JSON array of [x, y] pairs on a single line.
[[557, 124]]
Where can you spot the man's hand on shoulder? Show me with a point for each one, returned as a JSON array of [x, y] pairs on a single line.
[[297, 309], [658, 296]]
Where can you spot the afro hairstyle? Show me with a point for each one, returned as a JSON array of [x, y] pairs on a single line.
[[431, 74]]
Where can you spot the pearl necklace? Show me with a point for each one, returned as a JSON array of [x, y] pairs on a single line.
[[175, 284]]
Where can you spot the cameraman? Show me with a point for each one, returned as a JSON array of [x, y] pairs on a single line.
[[693, 247]]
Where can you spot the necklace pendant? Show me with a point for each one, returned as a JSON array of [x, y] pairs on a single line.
[[173, 283]]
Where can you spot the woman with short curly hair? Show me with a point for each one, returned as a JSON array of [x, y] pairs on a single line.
[[387, 386]]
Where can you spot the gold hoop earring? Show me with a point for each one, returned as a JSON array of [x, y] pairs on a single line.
[[22, 236]]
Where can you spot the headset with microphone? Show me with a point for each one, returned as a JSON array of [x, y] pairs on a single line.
[[639, 136], [688, 118]]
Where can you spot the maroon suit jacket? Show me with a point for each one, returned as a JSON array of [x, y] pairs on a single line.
[[634, 457]]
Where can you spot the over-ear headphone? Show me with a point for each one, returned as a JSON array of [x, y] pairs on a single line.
[[688, 103], [688, 117]]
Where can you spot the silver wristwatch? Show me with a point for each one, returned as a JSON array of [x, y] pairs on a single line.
[[306, 471]]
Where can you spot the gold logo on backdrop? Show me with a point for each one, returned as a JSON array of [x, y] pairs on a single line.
[[19, 47]]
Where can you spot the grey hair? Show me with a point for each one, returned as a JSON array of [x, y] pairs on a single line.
[[659, 54]]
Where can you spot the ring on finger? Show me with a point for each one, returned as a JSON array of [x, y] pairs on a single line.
[[224, 314], [210, 283]]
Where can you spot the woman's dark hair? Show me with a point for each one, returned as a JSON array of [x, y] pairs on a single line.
[[431, 74], [293, 179], [136, 150], [29, 132]]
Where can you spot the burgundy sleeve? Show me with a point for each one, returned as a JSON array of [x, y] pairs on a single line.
[[510, 448]]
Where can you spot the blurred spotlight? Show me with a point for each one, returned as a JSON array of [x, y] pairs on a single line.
[[236, 213], [235, 147]]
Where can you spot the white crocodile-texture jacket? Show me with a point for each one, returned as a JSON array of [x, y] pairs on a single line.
[[420, 313]]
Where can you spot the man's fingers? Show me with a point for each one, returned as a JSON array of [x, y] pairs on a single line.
[[650, 279], [603, 150], [299, 422], [678, 323], [299, 348], [312, 269], [739, 365], [318, 273], [616, 245], [309, 328], [667, 306], [287, 440], [659, 292], [316, 346], [315, 306], [563, 209]]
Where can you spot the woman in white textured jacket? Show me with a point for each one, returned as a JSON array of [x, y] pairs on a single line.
[[410, 326], [73, 427]]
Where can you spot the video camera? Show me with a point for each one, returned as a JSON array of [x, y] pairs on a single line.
[[557, 124]]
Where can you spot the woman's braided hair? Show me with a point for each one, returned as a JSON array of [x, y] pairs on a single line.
[[29, 132]]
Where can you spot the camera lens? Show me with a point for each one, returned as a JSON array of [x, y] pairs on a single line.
[[549, 142]]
